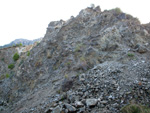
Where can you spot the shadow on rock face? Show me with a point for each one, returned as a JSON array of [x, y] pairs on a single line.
[[67, 84]]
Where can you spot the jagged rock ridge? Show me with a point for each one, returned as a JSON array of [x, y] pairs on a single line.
[[95, 62]]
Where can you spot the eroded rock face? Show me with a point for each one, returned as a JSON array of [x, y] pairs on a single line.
[[95, 62]]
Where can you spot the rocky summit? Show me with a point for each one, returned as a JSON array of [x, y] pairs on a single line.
[[96, 62]]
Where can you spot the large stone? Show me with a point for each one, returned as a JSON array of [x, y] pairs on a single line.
[[140, 48], [70, 107], [56, 110], [79, 104], [91, 102]]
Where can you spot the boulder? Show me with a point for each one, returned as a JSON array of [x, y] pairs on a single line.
[[70, 107], [79, 104], [56, 110], [91, 102]]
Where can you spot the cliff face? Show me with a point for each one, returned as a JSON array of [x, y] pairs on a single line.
[[95, 62]]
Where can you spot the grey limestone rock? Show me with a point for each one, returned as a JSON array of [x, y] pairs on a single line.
[[70, 107], [56, 110], [91, 102]]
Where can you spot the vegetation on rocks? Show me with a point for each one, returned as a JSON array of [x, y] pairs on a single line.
[[4, 76], [18, 45], [130, 54], [28, 53], [135, 108], [11, 66], [118, 10], [16, 56], [7, 75]]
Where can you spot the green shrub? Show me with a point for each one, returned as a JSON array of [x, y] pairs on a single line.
[[20, 44], [117, 10], [17, 45], [66, 75], [78, 47], [4, 76], [68, 63], [130, 54], [82, 59], [16, 56], [7, 75], [135, 108], [11, 66], [28, 54]]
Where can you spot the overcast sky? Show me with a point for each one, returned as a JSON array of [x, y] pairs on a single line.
[[29, 18]]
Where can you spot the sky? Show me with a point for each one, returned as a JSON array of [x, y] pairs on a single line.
[[29, 19]]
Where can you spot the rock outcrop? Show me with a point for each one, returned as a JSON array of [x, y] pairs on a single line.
[[94, 62]]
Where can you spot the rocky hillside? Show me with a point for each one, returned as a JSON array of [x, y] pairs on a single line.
[[23, 42], [96, 62]]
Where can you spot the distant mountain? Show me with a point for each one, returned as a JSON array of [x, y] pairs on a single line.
[[21, 41]]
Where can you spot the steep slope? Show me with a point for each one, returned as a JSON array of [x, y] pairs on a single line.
[[95, 62]]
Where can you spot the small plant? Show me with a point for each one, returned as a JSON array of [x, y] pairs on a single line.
[[77, 75], [20, 44], [16, 56], [68, 63], [82, 59], [130, 54], [17, 45], [28, 54], [11, 66], [135, 108], [7, 75], [78, 47], [55, 67], [118, 10], [66, 75]]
